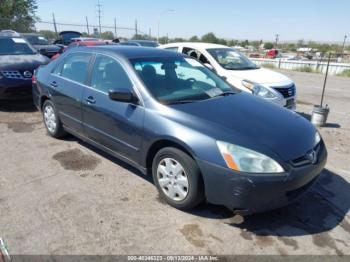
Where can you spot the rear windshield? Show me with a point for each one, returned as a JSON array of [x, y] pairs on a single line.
[[15, 46], [37, 40], [148, 44]]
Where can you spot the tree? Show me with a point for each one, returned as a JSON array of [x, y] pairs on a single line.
[[268, 45], [18, 15], [210, 38], [232, 42], [140, 37], [194, 39], [301, 43], [48, 34], [107, 35], [245, 43]]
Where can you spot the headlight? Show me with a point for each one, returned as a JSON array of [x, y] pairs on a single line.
[[258, 89], [317, 138], [246, 160]]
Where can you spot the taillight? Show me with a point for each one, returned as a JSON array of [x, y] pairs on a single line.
[[33, 79]]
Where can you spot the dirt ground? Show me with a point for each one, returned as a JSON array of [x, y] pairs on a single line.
[[65, 197]]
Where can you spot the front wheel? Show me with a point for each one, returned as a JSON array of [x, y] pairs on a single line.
[[177, 178], [51, 120]]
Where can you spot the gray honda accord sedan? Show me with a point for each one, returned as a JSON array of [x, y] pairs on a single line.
[[168, 115]]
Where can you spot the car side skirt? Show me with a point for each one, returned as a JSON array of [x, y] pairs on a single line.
[[142, 169]]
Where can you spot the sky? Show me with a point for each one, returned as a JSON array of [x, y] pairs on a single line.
[[317, 20]]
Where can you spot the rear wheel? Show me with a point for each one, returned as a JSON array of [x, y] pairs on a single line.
[[177, 178], [52, 122]]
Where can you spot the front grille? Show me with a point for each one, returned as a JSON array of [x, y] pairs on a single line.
[[287, 91], [12, 74], [303, 160]]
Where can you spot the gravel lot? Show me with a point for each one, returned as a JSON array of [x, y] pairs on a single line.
[[65, 197]]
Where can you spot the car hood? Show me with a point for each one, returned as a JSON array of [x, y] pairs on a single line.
[[22, 62], [261, 76], [251, 122]]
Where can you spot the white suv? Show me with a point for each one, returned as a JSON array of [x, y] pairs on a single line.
[[242, 73]]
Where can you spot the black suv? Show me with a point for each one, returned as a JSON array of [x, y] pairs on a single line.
[[18, 60], [41, 44]]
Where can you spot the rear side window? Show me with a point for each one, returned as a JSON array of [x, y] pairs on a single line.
[[76, 67], [108, 74]]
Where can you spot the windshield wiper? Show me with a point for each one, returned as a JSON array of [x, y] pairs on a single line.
[[227, 93], [181, 102]]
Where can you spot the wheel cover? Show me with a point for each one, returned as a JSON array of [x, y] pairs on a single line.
[[172, 179], [50, 119]]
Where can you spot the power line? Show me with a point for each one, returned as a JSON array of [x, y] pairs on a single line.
[[90, 25]]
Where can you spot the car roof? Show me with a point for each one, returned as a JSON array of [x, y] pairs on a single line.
[[30, 34], [130, 52], [142, 41], [195, 44], [7, 36]]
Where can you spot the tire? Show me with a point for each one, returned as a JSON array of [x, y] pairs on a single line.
[[51, 120], [170, 180]]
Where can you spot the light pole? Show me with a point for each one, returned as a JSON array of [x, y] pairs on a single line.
[[343, 49], [162, 13]]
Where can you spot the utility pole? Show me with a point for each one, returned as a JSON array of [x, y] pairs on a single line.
[[277, 38], [136, 31], [150, 34], [99, 15], [54, 24], [343, 49], [115, 27], [87, 25], [158, 22]]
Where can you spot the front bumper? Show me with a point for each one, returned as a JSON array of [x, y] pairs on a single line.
[[254, 193], [14, 87]]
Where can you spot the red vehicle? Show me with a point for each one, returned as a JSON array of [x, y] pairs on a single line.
[[272, 53], [80, 43]]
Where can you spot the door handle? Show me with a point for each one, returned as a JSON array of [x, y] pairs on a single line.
[[54, 84], [90, 100]]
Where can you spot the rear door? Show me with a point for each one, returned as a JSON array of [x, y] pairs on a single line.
[[115, 125], [67, 83]]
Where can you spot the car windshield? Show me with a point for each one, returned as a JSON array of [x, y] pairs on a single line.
[[230, 59], [15, 46], [180, 80], [37, 40]]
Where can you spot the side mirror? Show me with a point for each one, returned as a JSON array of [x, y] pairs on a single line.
[[123, 95], [209, 66]]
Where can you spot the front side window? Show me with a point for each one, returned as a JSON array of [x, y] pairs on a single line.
[[108, 74], [75, 67], [231, 60], [177, 80], [15, 46]]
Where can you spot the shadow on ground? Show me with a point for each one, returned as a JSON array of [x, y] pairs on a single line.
[[17, 105], [319, 210]]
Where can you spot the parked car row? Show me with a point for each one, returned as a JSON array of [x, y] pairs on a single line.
[[18, 60], [170, 116], [21, 54]]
